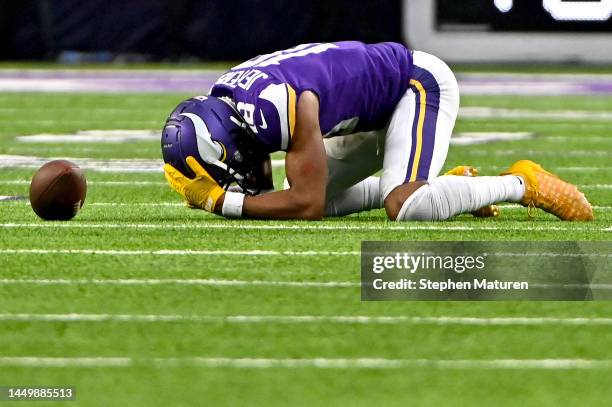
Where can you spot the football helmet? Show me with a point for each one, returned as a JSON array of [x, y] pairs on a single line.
[[212, 131]]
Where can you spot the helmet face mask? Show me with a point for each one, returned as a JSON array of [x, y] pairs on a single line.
[[215, 134]]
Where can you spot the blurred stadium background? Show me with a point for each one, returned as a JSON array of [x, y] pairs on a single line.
[[73, 31], [139, 301]]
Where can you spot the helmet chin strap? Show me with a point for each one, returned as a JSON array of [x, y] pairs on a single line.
[[237, 176], [219, 164]]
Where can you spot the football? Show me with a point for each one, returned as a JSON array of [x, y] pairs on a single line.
[[57, 190]]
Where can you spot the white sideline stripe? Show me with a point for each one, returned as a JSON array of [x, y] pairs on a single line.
[[80, 123], [196, 282], [272, 283], [113, 183], [477, 112], [93, 136], [585, 77], [308, 319], [313, 363], [72, 109], [181, 252], [225, 225], [180, 204], [118, 72], [12, 198], [93, 164], [528, 153], [96, 164]]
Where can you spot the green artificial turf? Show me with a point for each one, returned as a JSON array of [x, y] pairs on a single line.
[[131, 220]]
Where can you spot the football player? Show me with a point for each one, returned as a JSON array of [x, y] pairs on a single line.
[[341, 111]]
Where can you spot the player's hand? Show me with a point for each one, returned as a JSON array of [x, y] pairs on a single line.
[[201, 192]]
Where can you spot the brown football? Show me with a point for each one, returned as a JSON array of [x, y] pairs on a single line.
[[58, 190]]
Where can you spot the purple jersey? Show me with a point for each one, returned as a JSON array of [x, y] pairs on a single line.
[[358, 86]]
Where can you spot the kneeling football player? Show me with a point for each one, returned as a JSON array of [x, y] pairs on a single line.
[[341, 111]]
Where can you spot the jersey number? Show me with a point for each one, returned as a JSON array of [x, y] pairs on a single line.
[[276, 57]]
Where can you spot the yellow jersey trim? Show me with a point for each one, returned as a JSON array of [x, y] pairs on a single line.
[[419, 135], [291, 109]]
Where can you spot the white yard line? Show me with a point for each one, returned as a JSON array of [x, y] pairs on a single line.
[[186, 252], [577, 139], [471, 138], [136, 165], [311, 319], [311, 363], [126, 136], [155, 165], [181, 252], [133, 169], [529, 153], [181, 204], [497, 168], [108, 183], [35, 361], [12, 198], [176, 281], [80, 123], [228, 225], [93, 136], [467, 112], [275, 283]]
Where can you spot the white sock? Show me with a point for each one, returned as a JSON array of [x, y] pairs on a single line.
[[362, 196], [450, 195]]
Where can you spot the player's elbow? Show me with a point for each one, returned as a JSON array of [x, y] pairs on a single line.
[[309, 207]]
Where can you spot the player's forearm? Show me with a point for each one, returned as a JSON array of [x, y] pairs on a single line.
[[280, 205]]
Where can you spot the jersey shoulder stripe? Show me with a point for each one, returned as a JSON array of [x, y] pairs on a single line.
[[283, 97]]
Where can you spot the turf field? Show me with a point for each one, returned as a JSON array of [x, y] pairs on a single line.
[[140, 301]]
